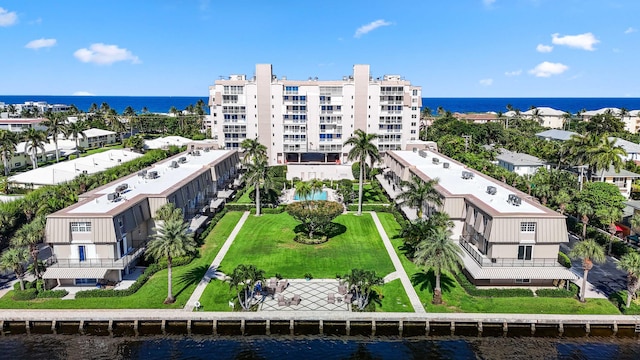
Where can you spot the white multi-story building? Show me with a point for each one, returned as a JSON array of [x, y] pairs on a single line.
[[303, 121]]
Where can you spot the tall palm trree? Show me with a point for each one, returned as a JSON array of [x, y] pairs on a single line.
[[8, 142], [605, 155], [630, 263], [420, 192], [14, 259], [363, 149], [589, 251], [439, 253], [171, 240], [34, 140], [56, 126], [259, 175], [76, 131]]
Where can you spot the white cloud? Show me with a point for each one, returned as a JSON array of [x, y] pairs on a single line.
[[40, 43], [582, 41], [486, 82], [83, 93], [513, 73], [364, 29], [7, 18], [544, 48], [630, 30], [488, 2], [546, 69], [104, 54]]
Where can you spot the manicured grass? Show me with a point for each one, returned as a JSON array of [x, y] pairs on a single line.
[[620, 298], [267, 242], [153, 293], [245, 199], [394, 298], [456, 298], [102, 149], [216, 296]]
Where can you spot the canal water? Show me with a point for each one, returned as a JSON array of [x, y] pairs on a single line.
[[303, 348]]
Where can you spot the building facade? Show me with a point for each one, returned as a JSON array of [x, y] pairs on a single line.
[[104, 234], [20, 124], [506, 238], [301, 121]]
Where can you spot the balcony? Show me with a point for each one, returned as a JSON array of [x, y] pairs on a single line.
[[119, 264], [484, 261]]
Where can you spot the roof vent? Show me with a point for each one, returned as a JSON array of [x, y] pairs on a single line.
[[422, 153], [174, 164], [182, 159], [467, 175], [152, 175], [121, 188], [142, 173], [435, 161], [445, 165], [113, 197], [206, 149], [514, 200], [196, 153], [85, 172], [491, 190]]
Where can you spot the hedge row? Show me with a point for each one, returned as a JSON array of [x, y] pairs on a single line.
[[559, 293], [474, 291], [370, 207], [52, 294], [564, 260], [276, 210], [28, 294]]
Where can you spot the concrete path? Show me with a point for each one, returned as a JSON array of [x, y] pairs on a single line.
[[391, 276], [213, 272], [404, 278]]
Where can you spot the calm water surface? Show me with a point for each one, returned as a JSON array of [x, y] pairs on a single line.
[[282, 348]]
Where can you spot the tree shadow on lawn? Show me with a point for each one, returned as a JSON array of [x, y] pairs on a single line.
[[427, 281], [192, 276], [332, 230]]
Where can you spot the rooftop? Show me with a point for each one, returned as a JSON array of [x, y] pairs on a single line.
[[556, 134], [628, 146], [519, 159], [451, 180], [68, 170], [545, 111], [166, 141], [168, 178]]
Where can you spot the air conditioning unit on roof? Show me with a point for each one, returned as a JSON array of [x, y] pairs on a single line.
[[491, 190], [467, 175]]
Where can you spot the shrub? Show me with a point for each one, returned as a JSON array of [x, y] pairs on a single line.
[[28, 294], [368, 207], [559, 293], [355, 171], [276, 210], [564, 260], [52, 294], [304, 239], [279, 171], [474, 291], [239, 207]]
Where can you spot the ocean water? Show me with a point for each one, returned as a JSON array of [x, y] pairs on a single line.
[[164, 103]]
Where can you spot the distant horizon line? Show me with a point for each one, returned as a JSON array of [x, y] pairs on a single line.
[[433, 97]]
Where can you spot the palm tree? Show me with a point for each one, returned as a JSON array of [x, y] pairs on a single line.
[[244, 278], [169, 211], [419, 192], [29, 236], [543, 191], [610, 216], [34, 140], [259, 175], [363, 149], [116, 125], [439, 253], [589, 251], [566, 120], [361, 284], [585, 210], [171, 240], [76, 130], [130, 114], [562, 198], [605, 155], [8, 142], [630, 263], [253, 150], [303, 190], [635, 223], [14, 259], [56, 125], [316, 187]]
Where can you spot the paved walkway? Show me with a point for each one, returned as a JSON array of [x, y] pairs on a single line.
[[313, 297], [213, 272], [404, 278]]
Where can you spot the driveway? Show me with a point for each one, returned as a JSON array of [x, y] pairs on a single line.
[[606, 277]]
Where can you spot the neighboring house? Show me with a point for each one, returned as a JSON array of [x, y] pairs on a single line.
[[96, 138], [20, 124], [477, 118], [632, 149], [103, 235], [165, 142], [520, 163], [622, 179], [631, 120], [22, 158], [555, 134], [549, 117], [507, 238]]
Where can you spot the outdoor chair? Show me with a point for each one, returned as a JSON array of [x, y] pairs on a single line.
[[342, 289], [284, 283], [296, 299], [282, 301], [331, 298], [279, 289], [348, 298]]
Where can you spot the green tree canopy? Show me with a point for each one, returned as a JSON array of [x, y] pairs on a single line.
[[315, 216]]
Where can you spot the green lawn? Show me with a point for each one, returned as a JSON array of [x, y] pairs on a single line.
[[456, 298], [267, 242], [394, 298], [153, 293], [245, 199]]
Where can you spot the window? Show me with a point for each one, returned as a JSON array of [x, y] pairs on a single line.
[[523, 281], [524, 252], [81, 226], [527, 227]]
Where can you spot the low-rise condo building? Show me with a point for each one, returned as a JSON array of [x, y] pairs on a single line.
[[507, 238], [95, 138], [104, 234], [308, 121], [21, 124]]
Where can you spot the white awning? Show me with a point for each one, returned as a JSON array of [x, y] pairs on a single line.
[[75, 273], [216, 203]]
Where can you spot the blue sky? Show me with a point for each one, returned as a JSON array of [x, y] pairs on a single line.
[[461, 48]]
